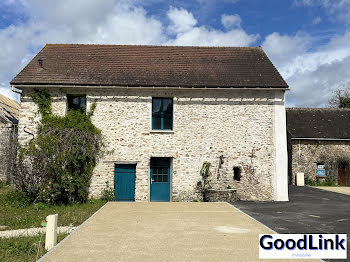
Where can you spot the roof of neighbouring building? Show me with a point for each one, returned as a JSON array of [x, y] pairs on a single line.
[[331, 123], [159, 66], [9, 110]]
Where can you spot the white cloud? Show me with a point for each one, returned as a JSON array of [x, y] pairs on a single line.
[[231, 21], [188, 33], [181, 20], [337, 9], [282, 48], [202, 36], [311, 75], [89, 21], [316, 20]]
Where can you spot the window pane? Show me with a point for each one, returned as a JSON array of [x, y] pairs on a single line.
[[167, 105], [154, 178], [156, 121], [76, 102], [168, 121], [156, 105], [160, 179], [165, 178], [82, 103], [162, 113]]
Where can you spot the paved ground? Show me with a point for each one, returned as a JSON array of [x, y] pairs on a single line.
[[163, 232], [310, 210], [337, 189]]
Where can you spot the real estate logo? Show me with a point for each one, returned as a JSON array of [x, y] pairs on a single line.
[[289, 246]]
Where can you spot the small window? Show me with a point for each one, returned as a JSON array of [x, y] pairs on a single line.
[[237, 173], [76, 102], [162, 113]]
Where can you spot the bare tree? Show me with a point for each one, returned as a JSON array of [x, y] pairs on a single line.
[[341, 97]]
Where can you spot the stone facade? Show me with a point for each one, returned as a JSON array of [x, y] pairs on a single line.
[[207, 124], [222, 195], [8, 140], [305, 154]]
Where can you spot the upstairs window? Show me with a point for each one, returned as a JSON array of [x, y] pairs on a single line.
[[162, 113], [76, 102]]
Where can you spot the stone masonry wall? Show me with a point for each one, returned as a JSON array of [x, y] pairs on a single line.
[[207, 124], [4, 150], [8, 135], [307, 153]]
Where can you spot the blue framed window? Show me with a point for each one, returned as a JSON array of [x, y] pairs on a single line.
[[162, 113]]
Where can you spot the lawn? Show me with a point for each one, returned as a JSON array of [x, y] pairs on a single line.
[[24, 248], [17, 213]]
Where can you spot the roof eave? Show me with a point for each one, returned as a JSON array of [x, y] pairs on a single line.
[[48, 85]]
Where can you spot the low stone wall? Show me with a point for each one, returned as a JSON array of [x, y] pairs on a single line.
[[222, 195]]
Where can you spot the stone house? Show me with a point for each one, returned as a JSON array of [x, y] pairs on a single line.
[[319, 143], [9, 111], [165, 110]]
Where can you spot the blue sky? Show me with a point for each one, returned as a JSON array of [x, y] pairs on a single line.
[[307, 40]]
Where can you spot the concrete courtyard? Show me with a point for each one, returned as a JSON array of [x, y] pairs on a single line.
[[147, 231]]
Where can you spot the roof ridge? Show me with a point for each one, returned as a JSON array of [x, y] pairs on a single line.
[[132, 45]]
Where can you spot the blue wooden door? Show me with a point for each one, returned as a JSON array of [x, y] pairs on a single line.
[[160, 179], [124, 182]]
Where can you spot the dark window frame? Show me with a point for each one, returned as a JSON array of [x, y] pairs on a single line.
[[80, 105], [164, 117]]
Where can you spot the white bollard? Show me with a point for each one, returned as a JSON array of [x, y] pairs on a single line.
[[300, 179], [51, 231]]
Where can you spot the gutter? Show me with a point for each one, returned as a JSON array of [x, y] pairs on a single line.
[[322, 139], [148, 87], [15, 91]]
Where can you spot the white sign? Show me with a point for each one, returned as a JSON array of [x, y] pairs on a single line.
[[320, 166], [289, 246]]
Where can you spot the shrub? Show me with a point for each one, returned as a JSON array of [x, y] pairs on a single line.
[[16, 198], [56, 166], [328, 181], [107, 193], [309, 181]]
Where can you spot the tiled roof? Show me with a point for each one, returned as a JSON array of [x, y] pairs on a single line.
[[171, 66], [9, 110], [331, 123]]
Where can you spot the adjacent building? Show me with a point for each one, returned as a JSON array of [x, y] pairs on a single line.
[[165, 110], [9, 111], [319, 143]]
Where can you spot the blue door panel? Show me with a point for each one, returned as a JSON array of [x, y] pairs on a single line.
[[160, 179], [124, 182]]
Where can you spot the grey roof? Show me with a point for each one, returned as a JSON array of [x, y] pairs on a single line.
[[328, 123]]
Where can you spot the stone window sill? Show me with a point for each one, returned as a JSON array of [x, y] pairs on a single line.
[[162, 131]]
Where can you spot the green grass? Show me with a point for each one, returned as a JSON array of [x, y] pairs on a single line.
[[23, 248], [17, 213]]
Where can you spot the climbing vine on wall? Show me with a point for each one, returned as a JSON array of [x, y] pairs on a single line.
[[205, 184], [56, 166]]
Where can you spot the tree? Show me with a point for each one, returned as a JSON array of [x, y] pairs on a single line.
[[341, 97]]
